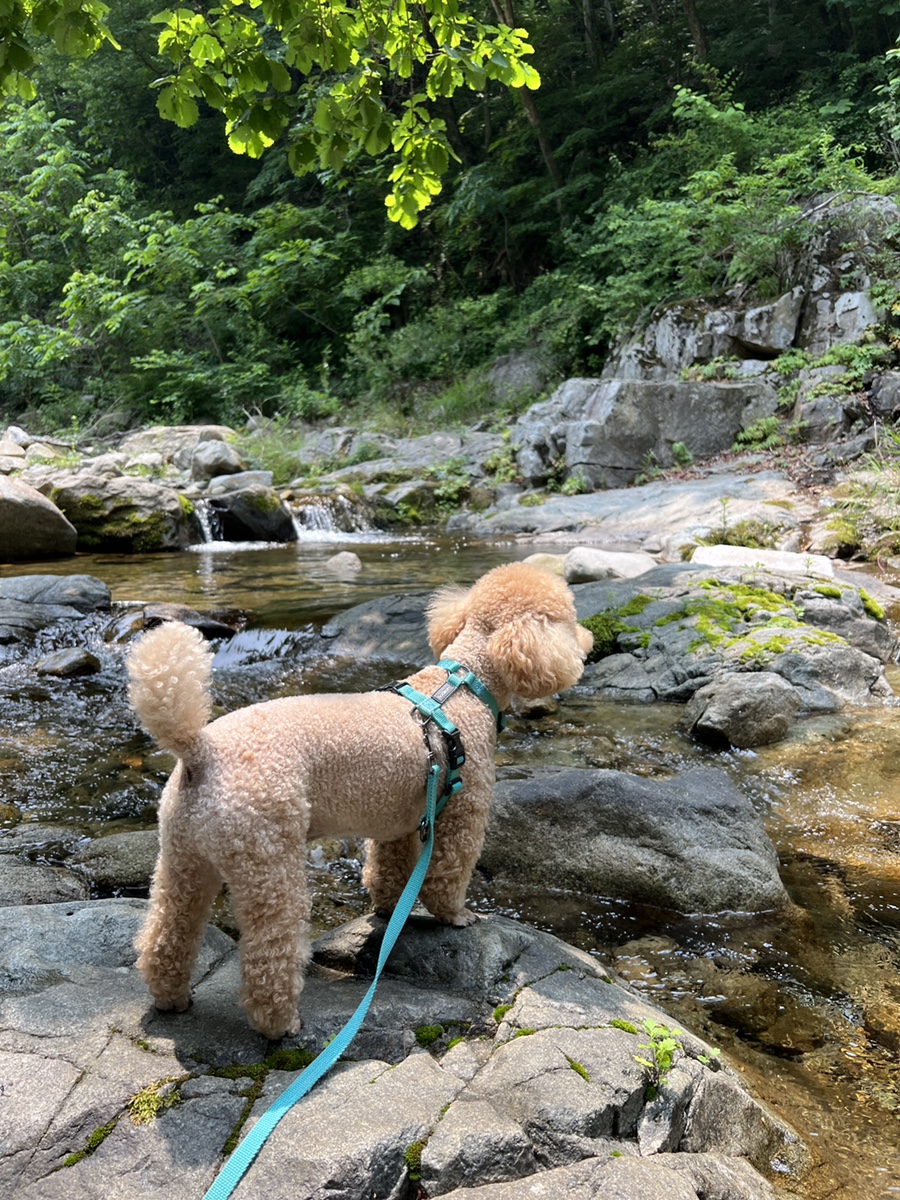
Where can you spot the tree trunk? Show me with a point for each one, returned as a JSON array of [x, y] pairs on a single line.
[[698, 33]]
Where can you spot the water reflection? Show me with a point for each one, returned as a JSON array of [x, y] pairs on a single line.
[[808, 1003]]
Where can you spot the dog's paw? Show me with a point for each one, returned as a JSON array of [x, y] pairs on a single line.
[[178, 1005], [460, 920]]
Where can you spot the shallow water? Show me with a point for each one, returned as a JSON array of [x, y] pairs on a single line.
[[807, 1004]]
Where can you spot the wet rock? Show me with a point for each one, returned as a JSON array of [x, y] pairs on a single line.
[[692, 844], [118, 860], [345, 562], [37, 838], [743, 710], [23, 882], [390, 628], [29, 603], [253, 514], [80, 1039], [67, 663], [121, 514], [31, 526]]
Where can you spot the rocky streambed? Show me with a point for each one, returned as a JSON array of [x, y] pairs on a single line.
[[659, 851]]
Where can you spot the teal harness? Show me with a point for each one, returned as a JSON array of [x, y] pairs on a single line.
[[430, 712]]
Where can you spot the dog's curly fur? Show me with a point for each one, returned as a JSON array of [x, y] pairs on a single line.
[[251, 789]]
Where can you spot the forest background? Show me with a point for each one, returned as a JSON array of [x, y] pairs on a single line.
[[148, 273]]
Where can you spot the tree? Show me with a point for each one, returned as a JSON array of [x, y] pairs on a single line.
[[339, 78]]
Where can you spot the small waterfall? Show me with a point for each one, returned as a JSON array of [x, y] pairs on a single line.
[[330, 517], [208, 520]]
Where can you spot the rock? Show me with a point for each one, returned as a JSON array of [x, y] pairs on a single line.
[[214, 457], [69, 662], [513, 377], [344, 562], [121, 514], [585, 563], [119, 860], [665, 1177], [80, 1040], [10, 449], [554, 563], [253, 514], [390, 628], [31, 526], [674, 630], [607, 430], [29, 603], [743, 710], [238, 481], [18, 436], [23, 882], [626, 519], [175, 443], [693, 844], [780, 562]]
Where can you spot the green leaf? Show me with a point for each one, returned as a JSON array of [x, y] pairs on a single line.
[[175, 105]]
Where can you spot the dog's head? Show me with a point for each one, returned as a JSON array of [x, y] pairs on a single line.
[[524, 618]]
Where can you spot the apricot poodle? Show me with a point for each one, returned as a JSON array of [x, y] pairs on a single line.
[[253, 787]]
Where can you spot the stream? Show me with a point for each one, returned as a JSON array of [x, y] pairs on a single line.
[[805, 1004]]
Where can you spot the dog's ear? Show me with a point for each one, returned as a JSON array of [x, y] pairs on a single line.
[[537, 656], [446, 613]]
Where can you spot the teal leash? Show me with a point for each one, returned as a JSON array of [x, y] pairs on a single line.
[[430, 709], [246, 1151]]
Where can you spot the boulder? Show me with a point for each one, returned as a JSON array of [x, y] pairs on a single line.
[[586, 563], [115, 1099], [252, 514], [212, 457], [118, 860], [608, 430], [31, 526], [345, 562], [121, 514], [238, 481], [692, 844], [66, 663], [29, 603], [743, 710], [23, 882], [175, 443]]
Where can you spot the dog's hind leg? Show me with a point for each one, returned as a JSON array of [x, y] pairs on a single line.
[[181, 897], [272, 906], [387, 868]]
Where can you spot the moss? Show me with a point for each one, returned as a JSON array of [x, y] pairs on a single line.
[[252, 1094], [427, 1034], [618, 1023], [579, 1069], [290, 1060], [827, 590], [532, 500], [94, 1140], [455, 1041], [147, 1104], [263, 501], [605, 628], [752, 534], [187, 506], [500, 1012], [241, 1071], [872, 607], [524, 1033], [413, 1158], [635, 605]]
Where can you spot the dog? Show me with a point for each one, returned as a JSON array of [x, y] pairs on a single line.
[[251, 788]]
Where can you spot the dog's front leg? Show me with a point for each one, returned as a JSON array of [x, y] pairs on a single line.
[[387, 868], [458, 838]]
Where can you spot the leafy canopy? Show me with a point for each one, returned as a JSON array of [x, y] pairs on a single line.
[[339, 78]]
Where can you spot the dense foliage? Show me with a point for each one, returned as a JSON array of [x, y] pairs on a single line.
[[147, 270]]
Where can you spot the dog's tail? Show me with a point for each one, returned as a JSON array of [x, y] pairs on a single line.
[[169, 672]]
